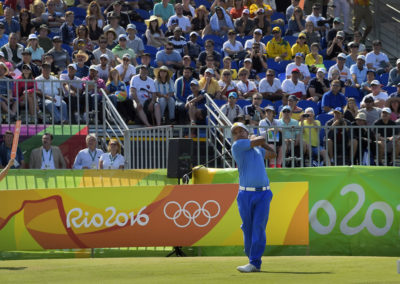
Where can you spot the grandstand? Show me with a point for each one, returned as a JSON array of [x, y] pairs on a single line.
[[100, 107]]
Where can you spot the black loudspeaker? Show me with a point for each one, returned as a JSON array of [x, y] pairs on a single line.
[[179, 157]]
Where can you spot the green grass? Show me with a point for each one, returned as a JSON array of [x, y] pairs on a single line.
[[282, 269]]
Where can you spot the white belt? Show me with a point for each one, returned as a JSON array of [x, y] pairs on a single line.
[[264, 188]]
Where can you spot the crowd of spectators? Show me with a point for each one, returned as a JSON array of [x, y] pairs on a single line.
[[254, 58]]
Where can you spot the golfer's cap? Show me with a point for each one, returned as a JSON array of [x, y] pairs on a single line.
[[338, 109], [369, 98], [342, 56], [131, 26], [296, 70], [361, 116], [362, 57], [104, 56], [321, 70], [375, 83], [73, 65], [397, 61], [286, 107], [300, 54], [337, 20], [353, 43], [239, 124], [246, 11], [309, 110], [340, 34], [387, 110], [302, 35], [248, 60], [269, 107], [93, 67], [370, 71], [293, 98], [276, 29], [210, 70], [126, 55], [194, 34], [258, 31], [122, 37], [194, 82], [32, 36], [233, 95]]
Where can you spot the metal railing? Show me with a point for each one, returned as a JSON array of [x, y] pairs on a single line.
[[337, 145]]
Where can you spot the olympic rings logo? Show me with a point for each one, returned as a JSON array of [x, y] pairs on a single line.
[[199, 210]]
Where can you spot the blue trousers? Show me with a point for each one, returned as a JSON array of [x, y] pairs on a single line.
[[254, 211]]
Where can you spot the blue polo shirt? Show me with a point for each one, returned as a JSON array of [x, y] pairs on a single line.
[[163, 57], [333, 101], [361, 75], [250, 161]]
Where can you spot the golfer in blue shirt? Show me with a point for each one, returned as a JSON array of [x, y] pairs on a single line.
[[254, 194]]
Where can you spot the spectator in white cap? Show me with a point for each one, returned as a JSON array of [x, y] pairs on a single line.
[[102, 49], [272, 135], [343, 70], [318, 86], [257, 36], [298, 63], [379, 97], [358, 72], [121, 48], [210, 85], [71, 91], [336, 46], [220, 23], [126, 69], [104, 67], [134, 42], [244, 25], [33, 46], [192, 46], [353, 54], [270, 87], [394, 74]]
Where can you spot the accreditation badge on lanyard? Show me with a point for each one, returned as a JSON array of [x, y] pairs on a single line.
[[112, 160], [93, 157], [47, 164]]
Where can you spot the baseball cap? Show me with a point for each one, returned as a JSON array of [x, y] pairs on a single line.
[[142, 66], [246, 11], [1, 54], [233, 94], [375, 83], [57, 38], [369, 98], [258, 31], [126, 55], [269, 107], [122, 37], [302, 35], [300, 54], [286, 107], [353, 43], [93, 67], [337, 20], [131, 26], [293, 98], [386, 109], [46, 65], [321, 70], [296, 70], [362, 57], [361, 116], [248, 60], [27, 66], [340, 34], [32, 36], [194, 82], [309, 109], [104, 56], [73, 65], [194, 33], [26, 51], [276, 29], [371, 70], [210, 70], [397, 61], [239, 124], [177, 29], [342, 55], [338, 109]]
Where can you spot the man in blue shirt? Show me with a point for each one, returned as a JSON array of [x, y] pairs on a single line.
[[169, 57], [333, 98], [254, 195], [5, 152]]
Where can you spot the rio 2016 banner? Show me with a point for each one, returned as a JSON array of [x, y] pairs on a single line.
[[353, 210], [180, 215]]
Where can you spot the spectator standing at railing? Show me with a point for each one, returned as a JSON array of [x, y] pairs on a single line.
[[364, 138], [143, 92], [293, 86], [27, 59], [88, 158], [291, 133], [112, 160], [373, 113], [394, 74], [5, 152], [377, 60], [311, 136], [318, 86], [379, 97], [270, 87], [245, 87], [387, 138], [165, 92], [333, 98], [277, 47], [13, 50], [72, 91], [50, 92], [273, 136], [358, 72], [94, 93], [47, 157], [231, 109]]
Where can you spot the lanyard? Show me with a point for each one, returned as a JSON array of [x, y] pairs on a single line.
[[113, 159], [51, 153], [93, 156]]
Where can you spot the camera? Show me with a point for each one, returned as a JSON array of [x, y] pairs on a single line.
[[306, 115], [321, 23]]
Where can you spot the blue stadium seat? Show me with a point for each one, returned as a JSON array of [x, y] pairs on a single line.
[[324, 117], [266, 39], [291, 39], [218, 41], [220, 103], [68, 48], [243, 103], [78, 12], [384, 79], [389, 89], [140, 27], [261, 75], [204, 2], [143, 13], [265, 103], [281, 77], [276, 105], [150, 49], [351, 92], [305, 104], [329, 63], [276, 66], [244, 39], [278, 15]]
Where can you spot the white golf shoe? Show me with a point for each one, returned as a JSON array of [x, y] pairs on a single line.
[[248, 268]]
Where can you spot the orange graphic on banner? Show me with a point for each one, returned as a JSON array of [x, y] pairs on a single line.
[[15, 140]]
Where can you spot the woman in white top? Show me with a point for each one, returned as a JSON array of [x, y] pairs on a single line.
[[165, 90], [155, 36], [226, 83], [112, 160], [232, 47]]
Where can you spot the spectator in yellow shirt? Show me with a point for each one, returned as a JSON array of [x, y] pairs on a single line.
[[260, 4], [277, 47], [210, 85], [314, 60], [301, 45]]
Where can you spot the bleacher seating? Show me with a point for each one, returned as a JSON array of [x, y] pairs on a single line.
[[384, 79], [306, 103], [351, 92], [324, 117]]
